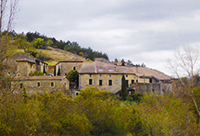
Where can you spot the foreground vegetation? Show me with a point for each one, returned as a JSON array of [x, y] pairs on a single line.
[[95, 112]]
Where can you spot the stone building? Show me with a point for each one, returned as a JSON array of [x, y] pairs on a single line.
[[108, 77], [63, 67], [40, 84], [27, 64]]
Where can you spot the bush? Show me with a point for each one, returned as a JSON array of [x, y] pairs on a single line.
[[38, 73]]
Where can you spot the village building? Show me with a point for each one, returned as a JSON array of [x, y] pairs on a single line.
[[27, 64], [100, 73], [40, 84], [63, 67], [107, 76]]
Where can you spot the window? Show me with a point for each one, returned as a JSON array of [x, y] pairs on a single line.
[[100, 82], [74, 68], [137, 81], [150, 80], [100, 75], [132, 81], [52, 84], [38, 84], [126, 75], [90, 81], [90, 75], [109, 75], [20, 85], [110, 82]]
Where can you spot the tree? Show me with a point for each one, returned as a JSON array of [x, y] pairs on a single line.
[[129, 62], [116, 60], [38, 43], [124, 93], [123, 62], [8, 10], [73, 77], [186, 63]]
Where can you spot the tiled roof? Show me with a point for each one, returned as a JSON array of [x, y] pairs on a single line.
[[40, 78], [24, 57], [100, 67], [148, 72], [88, 68]]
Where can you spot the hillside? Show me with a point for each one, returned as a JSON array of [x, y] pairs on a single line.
[[55, 55]]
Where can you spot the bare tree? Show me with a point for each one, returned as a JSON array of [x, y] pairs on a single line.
[[8, 10], [186, 64]]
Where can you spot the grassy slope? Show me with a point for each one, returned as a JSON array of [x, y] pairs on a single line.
[[55, 54], [58, 55]]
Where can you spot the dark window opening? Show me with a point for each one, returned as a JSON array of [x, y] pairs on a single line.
[[90, 75], [110, 82], [90, 81], [126, 75], [38, 84], [20, 85], [109, 75], [132, 81], [52, 84], [136, 81], [100, 82], [150, 80], [74, 68]]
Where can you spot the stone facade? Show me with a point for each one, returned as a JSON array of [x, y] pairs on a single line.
[[110, 82], [27, 64], [108, 77], [41, 84], [66, 66]]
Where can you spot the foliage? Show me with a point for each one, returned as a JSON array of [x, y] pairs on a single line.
[[73, 76], [124, 92], [94, 112], [137, 97], [186, 62], [8, 10], [166, 115], [73, 47], [37, 73], [123, 62]]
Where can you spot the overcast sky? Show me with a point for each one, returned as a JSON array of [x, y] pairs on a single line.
[[143, 31]]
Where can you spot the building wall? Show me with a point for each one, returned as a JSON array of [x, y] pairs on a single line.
[[65, 67], [116, 81], [41, 85], [136, 79], [158, 88], [50, 69]]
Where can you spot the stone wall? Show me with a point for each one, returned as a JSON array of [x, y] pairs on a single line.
[[65, 67], [158, 88], [116, 81], [41, 85]]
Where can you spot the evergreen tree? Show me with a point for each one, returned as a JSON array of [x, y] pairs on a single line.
[[124, 93]]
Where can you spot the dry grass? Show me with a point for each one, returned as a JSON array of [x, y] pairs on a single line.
[[57, 55]]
